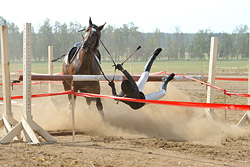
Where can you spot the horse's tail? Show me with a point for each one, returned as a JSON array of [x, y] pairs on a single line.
[[59, 58]]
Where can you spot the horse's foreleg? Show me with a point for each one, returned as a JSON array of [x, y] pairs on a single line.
[[99, 106], [88, 101], [71, 103], [68, 86]]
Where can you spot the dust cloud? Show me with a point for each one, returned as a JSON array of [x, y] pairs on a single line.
[[161, 121]]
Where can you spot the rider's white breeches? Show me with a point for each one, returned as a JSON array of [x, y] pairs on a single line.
[[152, 96], [155, 95], [142, 80]]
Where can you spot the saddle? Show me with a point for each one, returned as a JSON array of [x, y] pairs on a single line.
[[73, 52]]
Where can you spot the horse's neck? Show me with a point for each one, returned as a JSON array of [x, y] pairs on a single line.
[[89, 56], [87, 60]]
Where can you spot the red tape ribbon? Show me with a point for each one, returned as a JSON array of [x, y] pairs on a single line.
[[215, 87], [42, 95], [232, 79], [173, 103]]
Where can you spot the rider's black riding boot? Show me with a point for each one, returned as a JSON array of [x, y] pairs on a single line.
[[165, 81], [151, 60]]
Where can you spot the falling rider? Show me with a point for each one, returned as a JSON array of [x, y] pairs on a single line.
[[131, 89]]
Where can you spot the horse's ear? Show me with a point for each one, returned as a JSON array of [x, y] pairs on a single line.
[[101, 27], [90, 22]]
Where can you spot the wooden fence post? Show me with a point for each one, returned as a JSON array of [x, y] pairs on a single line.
[[209, 113], [27, 125], [50, 64], [7, 119], [6, 71]]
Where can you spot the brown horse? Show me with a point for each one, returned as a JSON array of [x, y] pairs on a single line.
[[82, 60]]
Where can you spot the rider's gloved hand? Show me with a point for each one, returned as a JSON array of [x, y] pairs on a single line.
[[119, 67]]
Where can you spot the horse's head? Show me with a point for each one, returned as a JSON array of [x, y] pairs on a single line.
[[92, 35]]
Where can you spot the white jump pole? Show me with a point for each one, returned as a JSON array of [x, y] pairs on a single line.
[[209, 113], [27, 125], [109, 77], [246, 116], [7, 118]]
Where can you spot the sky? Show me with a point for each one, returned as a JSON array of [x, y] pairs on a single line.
[[189, 16]]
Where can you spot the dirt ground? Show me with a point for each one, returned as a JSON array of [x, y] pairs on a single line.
[[156, 135]]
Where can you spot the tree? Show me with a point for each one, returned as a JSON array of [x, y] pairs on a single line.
[[148, 46], [107, 39], [201, 44], [182, 48], [134, 40], [62, 40], [225, 49], [2, 21], [241, 41], [45, 39], [74, 35], [120, 44], [172, 51], [15, 40], [122, 41]]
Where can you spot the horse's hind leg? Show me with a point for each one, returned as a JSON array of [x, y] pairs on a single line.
[[99, 106]]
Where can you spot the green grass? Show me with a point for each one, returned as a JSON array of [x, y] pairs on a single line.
[[137, 67]]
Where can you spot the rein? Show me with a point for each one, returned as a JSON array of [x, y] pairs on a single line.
[[139, 47], [96, 59], [111, 59], [108, 52], [98, 63]]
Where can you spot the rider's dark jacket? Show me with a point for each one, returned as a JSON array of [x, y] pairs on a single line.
[[135, 93]]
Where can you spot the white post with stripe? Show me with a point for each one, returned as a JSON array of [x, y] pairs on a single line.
[[27, 71], [209, 113], [27, 125], [246, 116]]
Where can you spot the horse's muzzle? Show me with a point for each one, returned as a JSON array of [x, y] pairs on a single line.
[[88, 45]]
